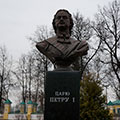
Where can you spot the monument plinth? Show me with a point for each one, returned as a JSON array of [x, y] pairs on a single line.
[[62, 95]]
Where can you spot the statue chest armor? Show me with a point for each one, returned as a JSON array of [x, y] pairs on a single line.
[[60, 49]]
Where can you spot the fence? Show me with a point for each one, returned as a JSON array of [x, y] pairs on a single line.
[[22, 114]]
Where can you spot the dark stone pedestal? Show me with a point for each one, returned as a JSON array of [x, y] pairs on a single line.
[[62, 95]]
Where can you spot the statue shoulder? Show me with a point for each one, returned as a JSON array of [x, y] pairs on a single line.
[[45, 42], [74, 41], [77, 41], [43, 45]]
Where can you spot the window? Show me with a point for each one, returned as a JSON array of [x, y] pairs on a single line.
[[118, 111], [114, 110]]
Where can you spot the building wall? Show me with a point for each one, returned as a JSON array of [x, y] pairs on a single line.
[[24, 117], [114, 109]]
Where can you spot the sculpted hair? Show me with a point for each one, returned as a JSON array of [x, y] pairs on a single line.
[[70, 17]]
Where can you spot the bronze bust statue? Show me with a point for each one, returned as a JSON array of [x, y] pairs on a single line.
[[62, 50]]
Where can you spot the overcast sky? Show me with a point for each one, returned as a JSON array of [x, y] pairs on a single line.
[[20, 18]]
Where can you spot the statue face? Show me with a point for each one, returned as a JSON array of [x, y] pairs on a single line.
[[62, 20]]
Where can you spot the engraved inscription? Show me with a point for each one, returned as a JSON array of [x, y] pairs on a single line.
[[62, 96]]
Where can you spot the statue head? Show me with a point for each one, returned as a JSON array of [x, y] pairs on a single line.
[[63, 20]]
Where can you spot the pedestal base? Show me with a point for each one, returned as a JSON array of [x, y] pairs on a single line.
[[62, 95]]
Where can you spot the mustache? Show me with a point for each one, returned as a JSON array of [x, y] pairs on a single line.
[[62, 22]]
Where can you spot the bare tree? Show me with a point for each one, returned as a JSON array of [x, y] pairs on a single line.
[[30, 76], [42, 64], [107, 29], [41, 33], [22, 77], [5, 76], [30, 67], [39, 73], [83, 30]]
